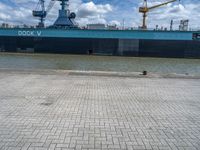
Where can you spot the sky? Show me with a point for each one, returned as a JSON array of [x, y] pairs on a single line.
[[18, 12]]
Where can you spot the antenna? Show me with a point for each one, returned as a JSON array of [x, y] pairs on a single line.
[[171, 25]]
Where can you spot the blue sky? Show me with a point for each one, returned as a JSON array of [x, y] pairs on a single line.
[[106, 11]]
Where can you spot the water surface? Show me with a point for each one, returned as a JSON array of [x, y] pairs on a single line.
[[99, 63]]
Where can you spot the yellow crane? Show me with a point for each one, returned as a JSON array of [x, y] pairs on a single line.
[[145, 9]]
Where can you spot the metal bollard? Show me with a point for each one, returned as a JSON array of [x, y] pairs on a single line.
[[144, 73]]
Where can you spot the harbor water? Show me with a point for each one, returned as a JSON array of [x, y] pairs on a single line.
[[99, 63]]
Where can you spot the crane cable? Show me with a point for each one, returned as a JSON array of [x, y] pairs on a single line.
[[38, 6], [50, 6]]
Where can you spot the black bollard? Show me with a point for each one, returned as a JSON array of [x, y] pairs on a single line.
[[144, 73]]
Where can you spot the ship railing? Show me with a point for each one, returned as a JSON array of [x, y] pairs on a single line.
[[119, 28]]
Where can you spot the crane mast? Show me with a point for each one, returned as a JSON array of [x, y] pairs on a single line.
[[145, 9], [40, 12]]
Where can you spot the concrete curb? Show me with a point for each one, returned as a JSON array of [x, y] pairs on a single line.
[[98, 73], [133, 74]]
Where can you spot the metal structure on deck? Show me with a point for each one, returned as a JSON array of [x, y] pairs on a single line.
[[65, 18], [145, 9]]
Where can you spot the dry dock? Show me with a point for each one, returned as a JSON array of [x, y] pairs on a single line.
[[61, 110]]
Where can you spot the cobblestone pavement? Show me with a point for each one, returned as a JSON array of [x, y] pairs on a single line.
[[60, 111]]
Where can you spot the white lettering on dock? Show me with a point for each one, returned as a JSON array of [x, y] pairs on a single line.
[[29, 33], [39, 33]]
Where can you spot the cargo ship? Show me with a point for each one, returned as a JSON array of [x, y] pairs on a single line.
[[65, 37]]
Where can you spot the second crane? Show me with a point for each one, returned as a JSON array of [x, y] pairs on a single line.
[[145, 9]]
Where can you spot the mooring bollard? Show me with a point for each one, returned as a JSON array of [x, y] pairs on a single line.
[[144, 73]]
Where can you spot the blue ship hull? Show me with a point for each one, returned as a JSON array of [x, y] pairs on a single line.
[[102, 42]]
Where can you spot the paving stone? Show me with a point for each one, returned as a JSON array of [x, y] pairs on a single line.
[[59, 111]]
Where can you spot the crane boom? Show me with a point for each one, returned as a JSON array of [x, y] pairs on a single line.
[[50, 6], [161, 4]]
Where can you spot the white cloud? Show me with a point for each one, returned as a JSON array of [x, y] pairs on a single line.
[[114, 12], [92, 13], [90, 9], [85, 21], [114, 22]]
